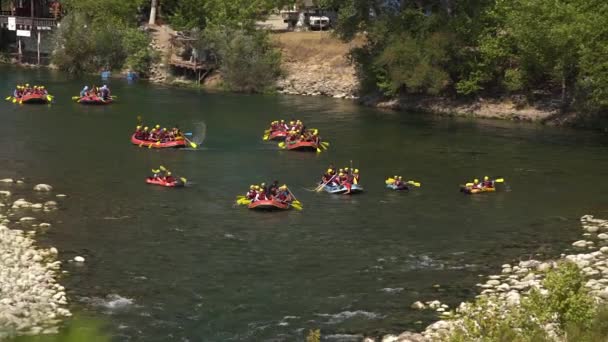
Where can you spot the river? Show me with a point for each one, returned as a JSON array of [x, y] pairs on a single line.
[[186, 265]]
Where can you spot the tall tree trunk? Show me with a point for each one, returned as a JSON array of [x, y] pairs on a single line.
[[153, 6]]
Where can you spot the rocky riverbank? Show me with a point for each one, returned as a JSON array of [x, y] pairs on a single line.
[[503, 292], [32, 300]]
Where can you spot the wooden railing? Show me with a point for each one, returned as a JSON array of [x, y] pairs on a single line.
[[29, 22]]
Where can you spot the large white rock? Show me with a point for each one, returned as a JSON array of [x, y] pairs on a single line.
[[43, 187], [602, 236], [604, 249], [580, 243], [5, 193], [21, 203], [493, 282], [27, 218], [6, 180]]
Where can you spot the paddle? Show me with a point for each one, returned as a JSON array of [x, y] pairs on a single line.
[[14, 99], [318, 189], [414, 183], [184, 180], [193, 145], [390, 180], [265, 137], [296, 205], [8, 98], [282, 144]]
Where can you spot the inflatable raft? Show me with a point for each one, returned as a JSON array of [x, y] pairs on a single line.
[[473, 191], [268, 205], [154, 144], [277, 135], [402, 187], [34, 99], [302, 146], [355, 188], [158, 181], [94, 100]]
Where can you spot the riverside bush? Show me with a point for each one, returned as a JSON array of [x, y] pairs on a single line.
[[247, 60], [83, 46], [564, 309]]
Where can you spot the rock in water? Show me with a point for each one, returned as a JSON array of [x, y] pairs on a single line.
[[78, 259], [7, 180], [43, 187], [418, 306], [580, 243]]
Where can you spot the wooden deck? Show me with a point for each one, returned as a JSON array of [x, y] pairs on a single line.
[[196, 66], [29, 23]]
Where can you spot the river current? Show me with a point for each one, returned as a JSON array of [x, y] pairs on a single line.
[[187, 265]]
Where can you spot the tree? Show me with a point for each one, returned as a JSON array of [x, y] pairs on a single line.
[[153, 7]]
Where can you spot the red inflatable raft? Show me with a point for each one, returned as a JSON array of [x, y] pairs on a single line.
[[34, 98], [302, 146], [277, 135], [154, 144], [268, 205], [94, 100], [158, 181]]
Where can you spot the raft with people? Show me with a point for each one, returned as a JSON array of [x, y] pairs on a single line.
[[396, 183], [30, 95], [163, 177], [477, 187], [94, 96], [344, 181], [279, 129], [307, 140], [272, 197], [158, 137]]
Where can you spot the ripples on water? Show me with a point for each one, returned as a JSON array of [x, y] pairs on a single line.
[[185, 264]]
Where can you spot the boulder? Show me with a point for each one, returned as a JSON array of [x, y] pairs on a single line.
[[43, 187], [6, 180], [78, 259], [418, 305], [602, 236], [580, 243], [5, 193]]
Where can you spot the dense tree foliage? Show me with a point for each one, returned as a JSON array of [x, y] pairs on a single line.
[[474, 47], [102, 34]]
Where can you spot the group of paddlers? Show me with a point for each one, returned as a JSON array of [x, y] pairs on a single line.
[[345, 177], [103, 92], [487, 183], [273, 191], [158, 134], [26, 89], [281, 125], [163, 174]]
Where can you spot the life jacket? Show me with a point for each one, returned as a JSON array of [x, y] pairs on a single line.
[[488, 184]]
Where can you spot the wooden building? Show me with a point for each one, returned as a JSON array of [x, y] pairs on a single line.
[[25, 24]]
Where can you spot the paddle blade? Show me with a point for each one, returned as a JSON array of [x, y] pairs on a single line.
[[390, 181], [326, 143], [468, 184], [281, 145], [14, 100], [265, 137], [240, 197], [414, 183], [193, 145], [142, 144], [48, 97], [500, 180], [150, 146], [75, 97], [318, 150], [184, 180], [296, 206], [8, 98]]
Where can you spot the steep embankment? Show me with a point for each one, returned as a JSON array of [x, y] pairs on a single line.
[[316, 63]]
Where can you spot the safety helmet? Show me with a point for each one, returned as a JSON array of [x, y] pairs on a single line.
[[400, 178], [356, 171], [346, 169], [341, 170], [341, 174], [157, 126], [164, 129], [329, 170], [263, 184], [169, 173], [485, 178], [476, 180], [395, 176], [282, 121], [138, 127], [291, 122], [146, 128]]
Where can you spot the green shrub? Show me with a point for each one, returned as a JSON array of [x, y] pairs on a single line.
[[247, 60]]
